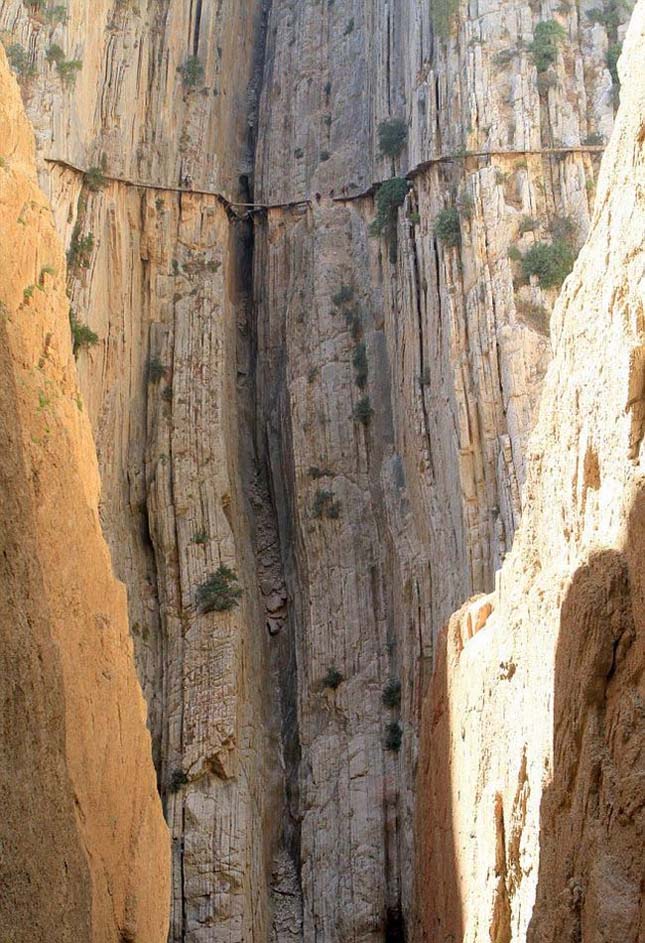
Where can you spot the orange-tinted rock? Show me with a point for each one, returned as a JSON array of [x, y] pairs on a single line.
[[85, 850]]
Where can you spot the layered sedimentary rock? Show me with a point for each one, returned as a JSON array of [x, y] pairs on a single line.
[[85, 851], [531, 778]]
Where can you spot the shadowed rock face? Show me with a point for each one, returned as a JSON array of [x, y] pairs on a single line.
[[85, 851], [340, 419], [530, 818]]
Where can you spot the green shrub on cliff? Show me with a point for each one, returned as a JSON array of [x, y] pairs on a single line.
[[550, 262], [363, 411], [177, 779], [82, 335], [19, 61], [447, 227], [333, 678], [393, 736], [192, 72], [392, 135], [392, 693], [220, 592], [547, 36]]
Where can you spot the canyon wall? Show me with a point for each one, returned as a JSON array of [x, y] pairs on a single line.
[[398, 377], [531, 811], [341, 419], [160, 110], [85, 851]]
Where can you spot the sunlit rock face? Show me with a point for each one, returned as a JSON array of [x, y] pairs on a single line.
[[85, 851], [530, 780]]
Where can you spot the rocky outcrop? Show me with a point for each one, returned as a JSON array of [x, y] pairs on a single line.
[[85, 852], [531, 772]]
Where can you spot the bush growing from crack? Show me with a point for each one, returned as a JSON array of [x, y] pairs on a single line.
[[550, 262], [156, 370], [390, 196], [19, 61], [177, 780], [547, 37], [94, 179], [359, 362], [611, 15], [82, 335], [192, 72], [354, 323], [54, 54], [393, 736], [67, 70], [79, 254], [392, 693], [363, 411], [392, 136], [220, 592], [447, 227], [333, 678]]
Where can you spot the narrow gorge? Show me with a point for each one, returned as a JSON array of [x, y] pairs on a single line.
[[324, 330]]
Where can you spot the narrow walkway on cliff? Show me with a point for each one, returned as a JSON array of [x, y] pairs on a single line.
[[250, 208]]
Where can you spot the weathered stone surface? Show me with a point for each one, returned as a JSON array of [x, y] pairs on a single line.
[[223, 399], [168, 390], [456, 349], [531, 771], [85, 851]]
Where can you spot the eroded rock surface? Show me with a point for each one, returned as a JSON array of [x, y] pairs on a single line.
[[85, 851], [341, 419], [393, 521], [530, 787]]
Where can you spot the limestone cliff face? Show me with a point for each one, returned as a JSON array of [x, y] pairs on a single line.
[[341, 419], [396, 507], [162, 104], [85, 851], [531, 772]]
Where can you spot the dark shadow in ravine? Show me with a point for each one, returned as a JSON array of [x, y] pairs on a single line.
[[592, 812]]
